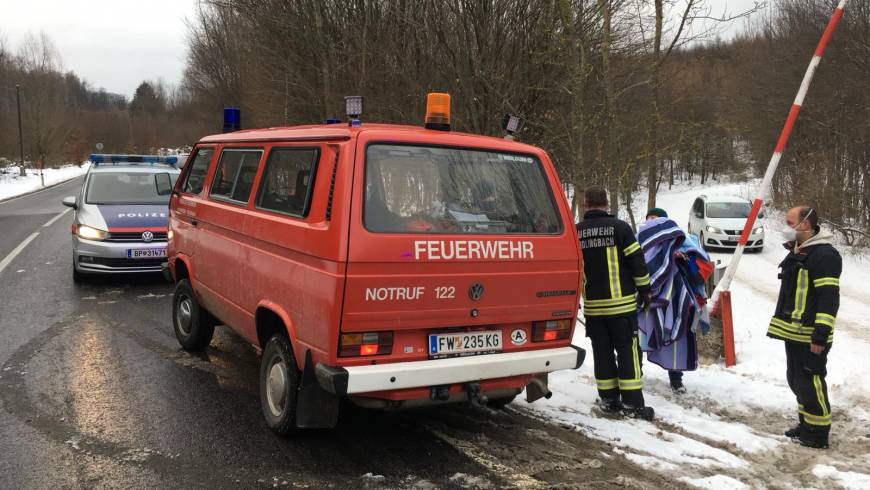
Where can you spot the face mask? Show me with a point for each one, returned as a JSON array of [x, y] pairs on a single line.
[[790, 233]]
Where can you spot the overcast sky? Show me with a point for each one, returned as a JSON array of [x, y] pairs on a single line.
[[115, 44]]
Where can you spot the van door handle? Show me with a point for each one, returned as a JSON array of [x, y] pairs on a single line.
[[194, 222]]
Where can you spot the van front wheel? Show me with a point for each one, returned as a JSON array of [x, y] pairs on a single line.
[[279, 385], [194, 326]]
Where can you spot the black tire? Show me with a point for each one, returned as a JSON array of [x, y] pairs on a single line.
[[78, 277], [194, 326], [701, 239], [279, 385], [500, 403]]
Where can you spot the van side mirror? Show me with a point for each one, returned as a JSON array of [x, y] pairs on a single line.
[[163, 184], [70, 202], [761, 214], [699, 214]]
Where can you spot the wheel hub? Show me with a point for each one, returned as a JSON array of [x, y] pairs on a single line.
[[184, 314], [276, 388]]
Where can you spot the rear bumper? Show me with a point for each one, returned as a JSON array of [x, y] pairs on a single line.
[[402, 375]]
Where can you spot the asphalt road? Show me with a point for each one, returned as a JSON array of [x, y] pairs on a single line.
[[96, 393]]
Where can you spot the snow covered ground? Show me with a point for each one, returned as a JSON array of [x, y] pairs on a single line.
[[727, 431], [15, 186]]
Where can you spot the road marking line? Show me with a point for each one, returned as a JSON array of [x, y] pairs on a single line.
[[9, 258], [59, 216]]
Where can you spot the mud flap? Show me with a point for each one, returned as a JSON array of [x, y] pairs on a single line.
[[316, 408]]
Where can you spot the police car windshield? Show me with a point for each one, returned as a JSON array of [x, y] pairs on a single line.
[[125, 188], [727, 210], [416, 189]]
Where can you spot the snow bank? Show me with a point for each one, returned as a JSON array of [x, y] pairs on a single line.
[[15, 186]]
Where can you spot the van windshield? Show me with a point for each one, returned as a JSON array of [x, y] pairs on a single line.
[[417, 189], [727, 209], [125, 188]]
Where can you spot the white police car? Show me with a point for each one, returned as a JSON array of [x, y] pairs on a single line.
[[122, 214]]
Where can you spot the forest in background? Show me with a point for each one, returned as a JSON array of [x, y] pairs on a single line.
[[630, 94]]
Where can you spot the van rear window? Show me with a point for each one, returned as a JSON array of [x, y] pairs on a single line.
[[419, 189]]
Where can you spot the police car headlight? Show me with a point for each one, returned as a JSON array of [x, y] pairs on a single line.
[[89, 233], [713, 229], [758, 230]]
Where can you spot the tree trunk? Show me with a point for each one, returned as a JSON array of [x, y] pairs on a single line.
[[652, 173]]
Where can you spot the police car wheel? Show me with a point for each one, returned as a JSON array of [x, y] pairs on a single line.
[[703, 243], [279, 385], [78, 277], [193, 325]]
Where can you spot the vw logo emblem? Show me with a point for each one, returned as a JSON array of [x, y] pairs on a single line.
[[147, 236], [475, 292]]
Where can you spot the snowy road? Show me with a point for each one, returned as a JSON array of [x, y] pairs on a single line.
[[95, 393], [726, 432]]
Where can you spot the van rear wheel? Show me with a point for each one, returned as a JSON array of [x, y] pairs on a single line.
[[279, 385], [194, 326]]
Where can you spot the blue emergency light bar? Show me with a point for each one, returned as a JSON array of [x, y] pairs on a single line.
[[100, 159]]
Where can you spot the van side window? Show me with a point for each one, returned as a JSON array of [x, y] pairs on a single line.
[[288, 180], [195, 178], [235, 173]]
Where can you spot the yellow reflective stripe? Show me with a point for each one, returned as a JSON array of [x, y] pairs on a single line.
[[825, 319], [800, 294], [805, 338], [636, 358], [613, 271], [610, 302], [816, 419], [616, 310], [641, 281], [826, 281], [820, 394], [630, 385], [796, 328], [606, 384], [634, 247]]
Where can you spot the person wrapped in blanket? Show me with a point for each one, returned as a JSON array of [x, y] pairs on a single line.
[[679, 269]]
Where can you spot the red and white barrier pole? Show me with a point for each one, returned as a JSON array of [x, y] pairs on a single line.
[[763, 192]]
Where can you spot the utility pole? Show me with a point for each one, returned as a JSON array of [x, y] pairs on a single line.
[[20, 131]]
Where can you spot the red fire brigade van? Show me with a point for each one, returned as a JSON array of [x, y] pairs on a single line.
[[397, 266]]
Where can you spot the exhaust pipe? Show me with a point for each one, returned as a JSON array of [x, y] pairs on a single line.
[[537, 389]]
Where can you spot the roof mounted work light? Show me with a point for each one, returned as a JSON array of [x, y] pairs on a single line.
[[512, 125], [438, 111], [353, 105]]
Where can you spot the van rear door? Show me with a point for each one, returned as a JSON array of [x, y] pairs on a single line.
[[447, 240]]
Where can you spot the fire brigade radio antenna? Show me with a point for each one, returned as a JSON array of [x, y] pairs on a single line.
[[763, 192]]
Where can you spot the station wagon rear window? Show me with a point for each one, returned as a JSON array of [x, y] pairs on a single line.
[[420, 189]]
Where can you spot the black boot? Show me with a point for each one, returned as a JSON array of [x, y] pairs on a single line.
[[794, 432], [644, 413], [676, 378], [609, 405], [816, 439]]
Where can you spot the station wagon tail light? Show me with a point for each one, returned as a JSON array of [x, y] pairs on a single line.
[[438, 111], [551, 330], [365, 344], [90, 233]]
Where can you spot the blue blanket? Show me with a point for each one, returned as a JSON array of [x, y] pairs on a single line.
[[678, 307]]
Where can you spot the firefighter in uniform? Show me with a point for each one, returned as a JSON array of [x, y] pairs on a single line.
[[809, 297], [617, 282]]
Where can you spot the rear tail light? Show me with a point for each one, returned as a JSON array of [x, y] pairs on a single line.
[[551, 330], [365, 344]]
